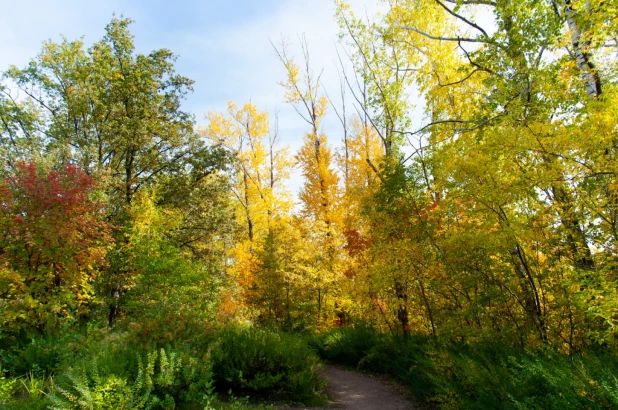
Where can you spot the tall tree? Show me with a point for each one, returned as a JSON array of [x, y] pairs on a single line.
[[263, 204], [114, 111], [510, 186], [320, 194]]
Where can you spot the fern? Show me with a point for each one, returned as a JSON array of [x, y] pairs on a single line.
[[164, 380], [88, 390], [168, 368]]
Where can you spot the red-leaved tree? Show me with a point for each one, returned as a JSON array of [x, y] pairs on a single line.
[[53, 243]]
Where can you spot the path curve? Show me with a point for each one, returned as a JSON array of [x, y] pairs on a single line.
[[356, 391]]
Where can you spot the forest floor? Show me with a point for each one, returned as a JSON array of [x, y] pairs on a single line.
[[356, 391]]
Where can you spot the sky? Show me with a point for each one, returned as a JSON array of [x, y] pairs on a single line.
[[223, 45]]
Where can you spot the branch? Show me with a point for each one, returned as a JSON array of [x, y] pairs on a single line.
[[374, 168], [459, 81], [375, 79], [282, 55], [358, 100], [431, 124], [469, 2], [462, 18], [457, 39], [475, 64]]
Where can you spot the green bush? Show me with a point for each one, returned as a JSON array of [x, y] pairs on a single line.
[[408, 359], [89, 390], [7, 386], [274, 364], [539, 379], [27, 392], [347, 346], [40, 356], [164, 379]]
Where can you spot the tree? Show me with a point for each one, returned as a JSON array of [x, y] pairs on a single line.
[[320, 193], [509, 195], [52, 248], [20, 134], [263, 204], [114, 112], [178, 260], [383, 78]]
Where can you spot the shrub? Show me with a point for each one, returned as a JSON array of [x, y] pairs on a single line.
[[7, 385], [164, 379], [40, 356], [25, 392], [276, 364], [56, 246], [347, 346], [408, 359], [493, 376], [80, 389]]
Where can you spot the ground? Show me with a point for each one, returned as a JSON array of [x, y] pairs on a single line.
[[350, 390]]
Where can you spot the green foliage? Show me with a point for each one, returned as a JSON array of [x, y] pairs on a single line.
[[79, 389], [163, 379], [130, 101], [499, 229], [347, 346], [522, 380], [40, 356], [33, 387], [174, 294], [259, 361], [26, 392], [19, 140], [484, 375], [129, 133], [239, 403], [7, 385]]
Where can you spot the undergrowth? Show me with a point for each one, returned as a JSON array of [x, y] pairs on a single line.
[[257, 361], [478, 376], [113, 370]]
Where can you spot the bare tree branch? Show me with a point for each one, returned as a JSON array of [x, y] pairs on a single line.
[[462, 18]]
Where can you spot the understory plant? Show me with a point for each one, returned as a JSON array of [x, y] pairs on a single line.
[[253, 360]]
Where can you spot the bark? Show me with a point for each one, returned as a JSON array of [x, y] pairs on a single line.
[[532, 298], [114, 306], [576, 237], [581, 48], [401, 291], [249, 220]]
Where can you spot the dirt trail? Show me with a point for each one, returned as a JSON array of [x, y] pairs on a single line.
[[356, 391]]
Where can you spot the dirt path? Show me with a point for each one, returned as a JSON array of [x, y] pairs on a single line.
[[356, 391]]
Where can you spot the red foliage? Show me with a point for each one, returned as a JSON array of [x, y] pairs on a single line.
[[55, 239], [355, 242]]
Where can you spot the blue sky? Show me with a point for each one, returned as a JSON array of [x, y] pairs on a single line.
[[223, 45]]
